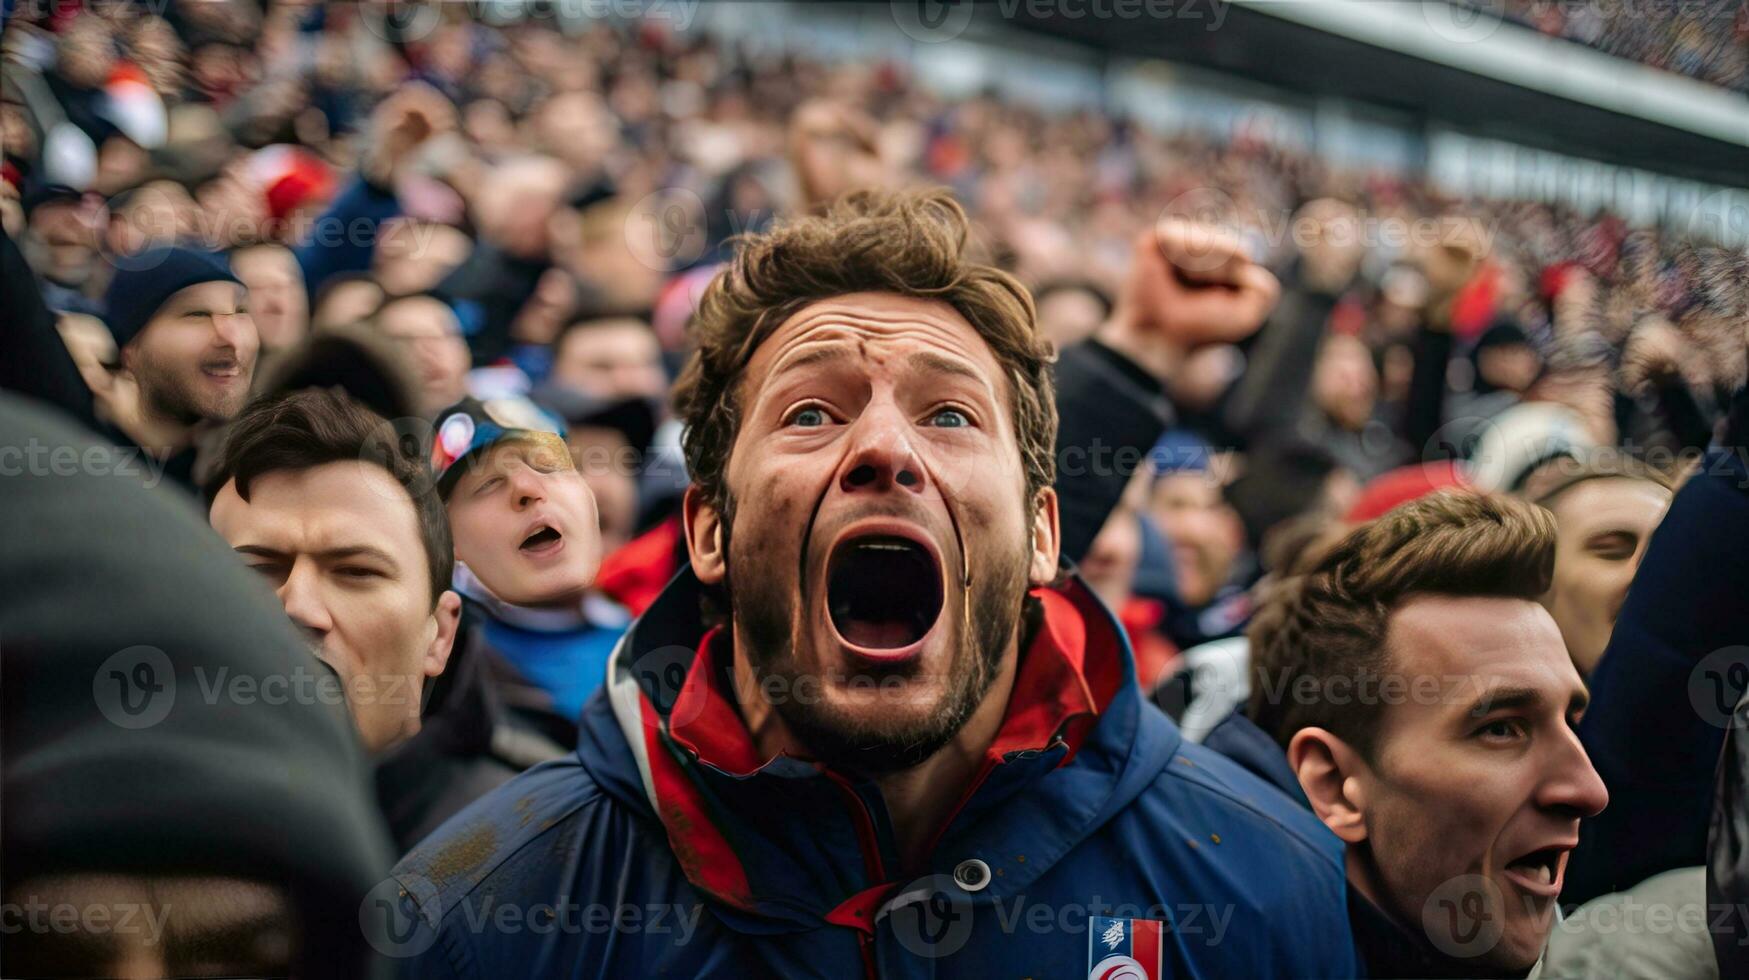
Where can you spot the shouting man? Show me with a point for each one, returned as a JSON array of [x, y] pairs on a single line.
[[874, 718], [1428, 709]]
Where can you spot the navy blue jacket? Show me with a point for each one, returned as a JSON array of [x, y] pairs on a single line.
[[1662, 697], [667, 846]]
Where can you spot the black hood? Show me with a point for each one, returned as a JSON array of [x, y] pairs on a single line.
[[127, 749]]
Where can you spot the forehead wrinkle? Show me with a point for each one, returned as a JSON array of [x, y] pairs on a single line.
[[870, 331]]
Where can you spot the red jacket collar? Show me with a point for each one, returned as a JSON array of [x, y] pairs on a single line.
[[1060, 688]]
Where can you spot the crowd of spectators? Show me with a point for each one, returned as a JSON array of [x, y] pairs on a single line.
[[482, 229], [1703, 39]]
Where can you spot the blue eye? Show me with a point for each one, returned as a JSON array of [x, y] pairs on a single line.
[[808, 418], [949, 418]]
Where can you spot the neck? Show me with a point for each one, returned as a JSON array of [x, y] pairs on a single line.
[[920, 799]]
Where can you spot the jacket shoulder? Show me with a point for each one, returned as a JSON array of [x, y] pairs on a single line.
[[471, 846], [1205, 780]]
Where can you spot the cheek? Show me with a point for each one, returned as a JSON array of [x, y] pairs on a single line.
[[475, 534]]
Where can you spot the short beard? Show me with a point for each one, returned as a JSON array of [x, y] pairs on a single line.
[[166, 395], [880, 747]]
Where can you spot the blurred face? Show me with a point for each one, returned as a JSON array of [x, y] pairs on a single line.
[[63, 237], [1110, 565], [412, 256], [1203, 531], [196, 356], [11, 210], [340, 545], [611, 359], [1510, 366], [1602, 527], [157, 214], [427, 330], [1069, 316], [1491, 781], [880, 540], [525, 522], [1345, 383], [276, 294], [348, 303], [605, 460], [86, 52]]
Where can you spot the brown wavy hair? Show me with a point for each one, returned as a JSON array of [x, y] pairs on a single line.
[[912, 243], [1331, 621]]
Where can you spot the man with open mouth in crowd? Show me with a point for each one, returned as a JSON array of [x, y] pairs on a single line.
[[873, 717], [1429, 712], [528, 545]]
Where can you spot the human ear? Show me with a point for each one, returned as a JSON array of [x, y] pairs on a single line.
[[1046, 539], [1328, 770], [704, 537], [448, 616]]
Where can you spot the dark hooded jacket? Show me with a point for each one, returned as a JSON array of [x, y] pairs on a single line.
[[667, 846], [133, 745]]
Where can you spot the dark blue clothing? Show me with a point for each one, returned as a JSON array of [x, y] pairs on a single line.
[[1238, 738], [1662, 696], [568, 664], [667, 846], [344, 238]]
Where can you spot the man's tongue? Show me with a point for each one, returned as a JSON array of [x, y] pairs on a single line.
[[883, 593], [878, 634]]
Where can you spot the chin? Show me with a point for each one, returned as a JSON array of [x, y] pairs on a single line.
[[1522, 944]]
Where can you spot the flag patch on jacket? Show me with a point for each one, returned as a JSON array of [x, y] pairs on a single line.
[[1123, 949]]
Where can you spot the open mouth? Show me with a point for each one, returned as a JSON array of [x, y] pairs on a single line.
[[1539, 871], [883, 593], [225, 370], [543, 540]]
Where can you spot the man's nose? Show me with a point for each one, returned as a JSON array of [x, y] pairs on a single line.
[[525, 487], [301, 595], [234, 329], [882, 456], [1571, 782]]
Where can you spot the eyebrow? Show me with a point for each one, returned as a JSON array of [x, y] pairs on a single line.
[[327, 554], [833, 354], [1506, 697], [930, 362]]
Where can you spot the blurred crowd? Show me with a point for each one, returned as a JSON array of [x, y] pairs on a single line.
[[1708, 40], [476, 229]]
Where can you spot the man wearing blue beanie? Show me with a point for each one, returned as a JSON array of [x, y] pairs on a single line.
[[186, 342]]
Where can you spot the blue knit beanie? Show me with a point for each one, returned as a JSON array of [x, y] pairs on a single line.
[[143, 282]]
